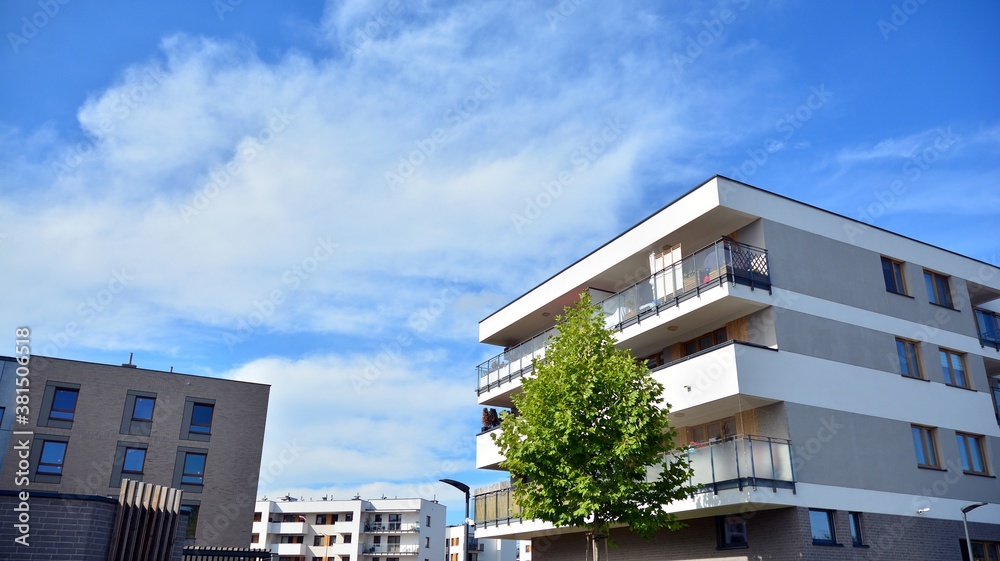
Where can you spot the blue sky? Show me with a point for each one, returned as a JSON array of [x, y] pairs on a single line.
[[328, 198]]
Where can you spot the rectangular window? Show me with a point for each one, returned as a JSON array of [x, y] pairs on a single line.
[[427, 542], [348, 517], [982, 551], [63, 404], [321, 519], [254, 538], [938, 289], [716, 430], [142, 410], [821, 523], [135, 460], [201, 418], [331, 539], [257, 516], [909, 364], [731, 531], [194, 469], [857, 539], [970, 448], [317, 540], [892, 270], [428, 522], [925, 446], [50, 462], [192, 523], [347, 538], [392, 544], [953, 366]]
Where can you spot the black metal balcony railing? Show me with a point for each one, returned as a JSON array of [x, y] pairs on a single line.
[[734, 463], [722, 261], [988, 324], [382, 549], [390, 527]]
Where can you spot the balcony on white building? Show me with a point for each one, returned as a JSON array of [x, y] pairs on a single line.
[[710, 273], [389, 549], [736, 463]]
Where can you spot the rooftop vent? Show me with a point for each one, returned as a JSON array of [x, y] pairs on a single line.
[[129, 363]]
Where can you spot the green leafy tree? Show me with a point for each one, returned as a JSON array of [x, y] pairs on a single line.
[[591, 434]]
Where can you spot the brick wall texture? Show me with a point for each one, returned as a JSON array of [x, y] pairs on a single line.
[[783, 534]]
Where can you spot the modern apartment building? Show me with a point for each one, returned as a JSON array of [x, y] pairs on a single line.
[[350, 530], [456, 538], [92, 425], [834, 385]]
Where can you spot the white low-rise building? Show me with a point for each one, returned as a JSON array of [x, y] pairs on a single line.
[[479, 549], [350, 530]]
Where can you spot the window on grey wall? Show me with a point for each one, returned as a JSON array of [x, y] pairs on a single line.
[[52, 457], [142, 409], [58, 405], [199, 416], [137, 415], [194, 469]]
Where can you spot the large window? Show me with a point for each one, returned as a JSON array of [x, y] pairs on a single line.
[[720, 429], [135, 460], [821, 523], [953, 366], [925, 446], [194, 469], [732, 532], [706, 341], [50, 461], [909, 363], [938, 289], [201, 418], [981, 551], [63, 404], [970, 448], [892, 270], [142, 410]]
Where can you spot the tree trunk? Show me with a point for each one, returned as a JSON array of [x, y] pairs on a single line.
[[598, 544]]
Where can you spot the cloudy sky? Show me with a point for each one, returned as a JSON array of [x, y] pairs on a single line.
[[328, 198]]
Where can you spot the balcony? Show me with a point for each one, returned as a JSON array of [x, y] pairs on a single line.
[[291, 549], [390, 527], [286, 528], [745, 461], [390, 549], [988, 324], [724, 261], [742, 461]]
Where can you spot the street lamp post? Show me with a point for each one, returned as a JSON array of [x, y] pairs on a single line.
[[465, 523], [965, 524]]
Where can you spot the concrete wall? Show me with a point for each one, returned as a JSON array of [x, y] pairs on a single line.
[[860, 451], [824, 268], [234, 448]]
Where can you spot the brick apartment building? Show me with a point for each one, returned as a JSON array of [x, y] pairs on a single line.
[[93, 425]]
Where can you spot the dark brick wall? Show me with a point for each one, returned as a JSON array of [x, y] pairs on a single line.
[[64, 529], [784, 534], [234, 450]]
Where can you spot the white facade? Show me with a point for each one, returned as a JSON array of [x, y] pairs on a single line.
[[350, 530], [479, 550], [802, 353]]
